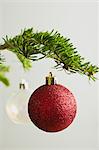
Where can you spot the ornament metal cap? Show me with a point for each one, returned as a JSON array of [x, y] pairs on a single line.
[[23, 85], [50, 79]]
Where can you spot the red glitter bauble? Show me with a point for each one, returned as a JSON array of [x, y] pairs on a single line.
[[52, 108]]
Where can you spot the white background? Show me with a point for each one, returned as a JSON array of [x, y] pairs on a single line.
[[77, 20]]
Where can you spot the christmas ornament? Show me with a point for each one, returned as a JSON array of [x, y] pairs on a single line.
[[52, 107], [17, 106]]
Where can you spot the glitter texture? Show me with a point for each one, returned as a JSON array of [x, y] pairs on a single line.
[[52, 108]]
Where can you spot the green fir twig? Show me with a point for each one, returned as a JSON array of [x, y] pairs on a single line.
[[33, 46], [3, 70]]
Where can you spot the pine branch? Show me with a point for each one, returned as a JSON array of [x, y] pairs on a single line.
[[33, 46], [1, 59], [3, 70]]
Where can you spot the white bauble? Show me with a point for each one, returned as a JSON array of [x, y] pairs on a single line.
[[17, 106]]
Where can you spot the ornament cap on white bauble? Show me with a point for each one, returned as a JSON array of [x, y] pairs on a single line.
[[17, 105], [23, 85]]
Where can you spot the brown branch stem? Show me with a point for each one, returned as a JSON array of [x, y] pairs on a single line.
[[3, 47]]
